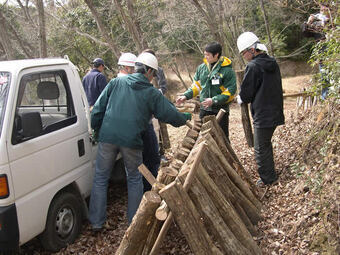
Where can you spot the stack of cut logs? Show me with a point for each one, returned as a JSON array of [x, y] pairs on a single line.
[[206, 191]]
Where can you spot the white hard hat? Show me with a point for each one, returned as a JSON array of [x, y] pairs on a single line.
[[127, 59], [148, 59], [248, 39]]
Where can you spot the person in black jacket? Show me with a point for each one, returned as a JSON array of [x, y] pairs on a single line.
[[262, 87]]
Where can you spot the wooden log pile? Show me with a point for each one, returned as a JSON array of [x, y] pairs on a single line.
[[206, 191], [192, 106]]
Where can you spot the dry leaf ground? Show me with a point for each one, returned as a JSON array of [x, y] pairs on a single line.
[[300, 214]]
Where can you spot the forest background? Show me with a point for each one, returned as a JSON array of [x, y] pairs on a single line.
[[177, 30]]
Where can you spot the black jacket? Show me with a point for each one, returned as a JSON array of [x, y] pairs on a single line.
[[262, 87]]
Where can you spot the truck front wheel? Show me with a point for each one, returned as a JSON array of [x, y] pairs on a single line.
[[64, 221]]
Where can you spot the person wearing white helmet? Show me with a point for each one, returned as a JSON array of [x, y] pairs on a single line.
[[262, 88], [126, 63], [120, 116]]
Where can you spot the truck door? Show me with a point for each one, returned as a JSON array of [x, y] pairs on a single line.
[[49, 146]]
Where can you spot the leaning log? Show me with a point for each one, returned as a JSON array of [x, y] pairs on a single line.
[[217, 133], [243, 186], [182, 154], [248, 130], [192, 134], [213, 221], [194, 159], [222, 182], [166, 175], [188, 143], [163, 130], [139, 229], [227, 211], [188, 219]]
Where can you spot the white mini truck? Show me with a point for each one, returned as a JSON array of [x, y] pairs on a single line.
[[46, 155]]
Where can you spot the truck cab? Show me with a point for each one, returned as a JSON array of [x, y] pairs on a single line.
[[46, 156]]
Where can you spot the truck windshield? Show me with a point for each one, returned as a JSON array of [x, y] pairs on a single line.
[[4, 87]]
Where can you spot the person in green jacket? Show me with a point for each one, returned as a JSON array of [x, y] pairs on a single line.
[[121, 113], [215, 82]]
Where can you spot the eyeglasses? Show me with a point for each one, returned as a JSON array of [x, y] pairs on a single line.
[[244, 52]]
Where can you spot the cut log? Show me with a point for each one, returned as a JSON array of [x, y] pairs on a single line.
[[188, 219], [220, 114], [163, 130], [227, 150], [227, 211], [182, 154], [222, 182], [186, 108], [140, 226], [247, 127], [192, 134], [243, 186], [248, 130], [296, 94], [196, 154], [213, 221], [176, 164], [188, 143], [162, 211], [166, 175], [150, 178], [154, 232], [216, 169]]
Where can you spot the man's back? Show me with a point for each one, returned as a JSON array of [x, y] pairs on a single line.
[[125, 107], [94, 83], [262, 87]]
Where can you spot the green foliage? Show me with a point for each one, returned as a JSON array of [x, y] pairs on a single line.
[[327, 53]]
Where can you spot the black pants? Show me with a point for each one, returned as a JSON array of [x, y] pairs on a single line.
[[264, 154], [224, 123], [151, 157]]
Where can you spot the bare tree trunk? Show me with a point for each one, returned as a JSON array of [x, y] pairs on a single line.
[[186, 66], [267, 27], [210, 19], [5, 38], [42, 29], [136, 24], [104, 32], [174, 68], [131, 26], [21, 42], [27, 14]]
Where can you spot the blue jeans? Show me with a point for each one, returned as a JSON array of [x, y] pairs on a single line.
[[151, 157], [106, 157]]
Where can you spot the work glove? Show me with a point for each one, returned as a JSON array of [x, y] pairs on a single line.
[[187, 115], [239, 100], [95, 135]]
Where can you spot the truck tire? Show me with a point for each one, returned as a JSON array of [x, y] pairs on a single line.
[[64, 222]]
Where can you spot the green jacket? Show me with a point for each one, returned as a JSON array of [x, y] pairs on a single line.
[[124, 108], [218, 83]]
